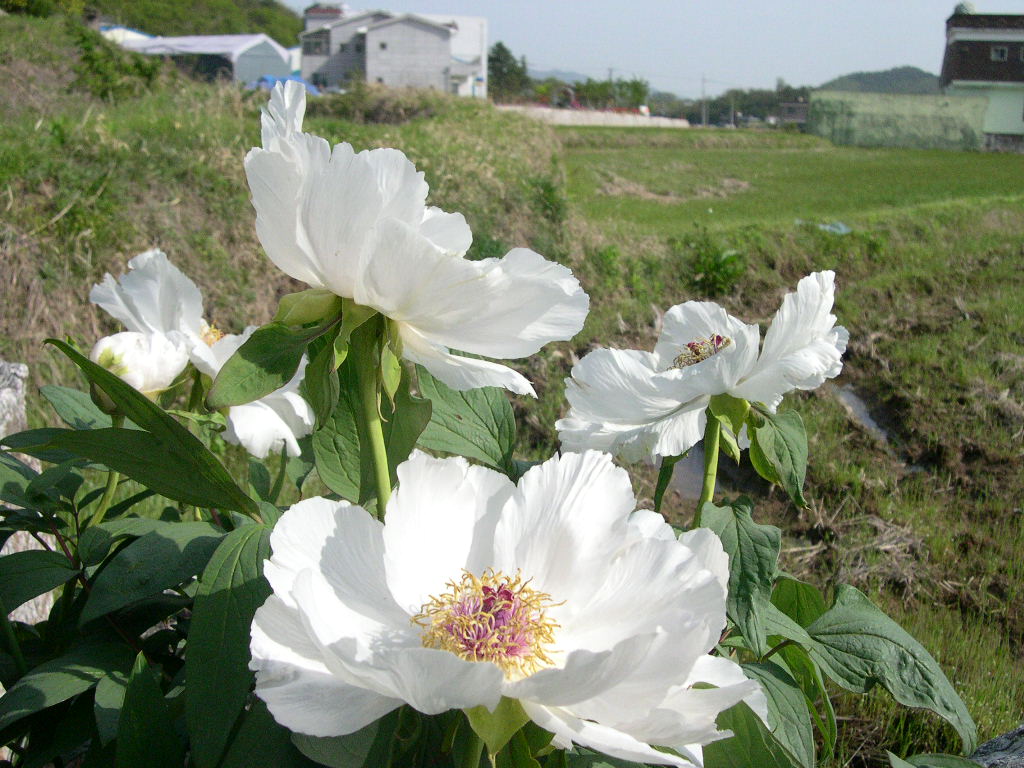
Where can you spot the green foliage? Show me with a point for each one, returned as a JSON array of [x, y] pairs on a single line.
[[106, 70], [43, 7], [713, 269], [380, 105], [205, 17], [895, 80], [507, 78]]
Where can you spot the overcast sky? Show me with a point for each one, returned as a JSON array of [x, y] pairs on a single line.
[[741, 43]]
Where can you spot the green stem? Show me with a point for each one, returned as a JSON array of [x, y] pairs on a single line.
[[117, 421], [12, 641], [367, 362], [712, 433]]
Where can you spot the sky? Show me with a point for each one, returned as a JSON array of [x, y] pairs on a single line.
[[673, 44]]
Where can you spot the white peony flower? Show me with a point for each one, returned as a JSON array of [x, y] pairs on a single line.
[[271, 424], [643, 405], [148, 362], [358, 226], [155, 297], [555, 593]]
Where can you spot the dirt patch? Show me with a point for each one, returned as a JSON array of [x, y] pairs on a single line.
[[618, 186]]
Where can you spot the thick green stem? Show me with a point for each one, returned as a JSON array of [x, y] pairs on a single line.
[[712, 433], [367, 361], [113, 478]]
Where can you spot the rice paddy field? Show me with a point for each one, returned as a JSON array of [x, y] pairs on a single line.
[[915, 484]]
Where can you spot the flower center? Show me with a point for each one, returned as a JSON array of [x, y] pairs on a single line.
[[701, 349], [211, 335], [493, 618]]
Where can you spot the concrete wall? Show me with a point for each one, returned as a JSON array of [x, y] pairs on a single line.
[[898, 120], [345, 57], [1005, 113], [592, 117], [408, 53]]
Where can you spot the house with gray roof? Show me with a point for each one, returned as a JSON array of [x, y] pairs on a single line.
[[400, 50]]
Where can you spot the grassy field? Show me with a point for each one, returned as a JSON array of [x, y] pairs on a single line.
[[931, 289], [929, 285]]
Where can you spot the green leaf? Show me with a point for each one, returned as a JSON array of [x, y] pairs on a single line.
[[108, 699], [145, 732], [478, 423], [340, 462], [96, 540], [230, 590], [390, 371], [260, 741], [668, 464], [355, 749], [204, 467], [58, 680], [799, 600], [898, 762], [15, 477], [751, 744], [787, 710], [807, 675], [858, 646], [28, 574], [309, 306], [731, 411], [781, 443], [497, 727], [753, 551], [163, 467], [517, 754], [157, 561], [320, 385], [264, 363], [75, 408]]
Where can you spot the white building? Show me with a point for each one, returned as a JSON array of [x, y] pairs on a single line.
[[447, 53]]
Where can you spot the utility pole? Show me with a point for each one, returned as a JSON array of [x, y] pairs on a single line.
[[703, 103]]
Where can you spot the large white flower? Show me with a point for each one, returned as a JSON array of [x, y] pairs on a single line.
[[275, 421], [643, 405], [150, 363], [597, 619], [357, 225]]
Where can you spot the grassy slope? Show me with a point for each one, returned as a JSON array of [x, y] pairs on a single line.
[[930, 294], [205, 17], [85, 185], [931, 291]]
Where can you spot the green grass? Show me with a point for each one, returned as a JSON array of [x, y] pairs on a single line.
[[666, 189], [931, 290]]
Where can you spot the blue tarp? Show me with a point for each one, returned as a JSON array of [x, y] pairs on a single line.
[[267, 82]]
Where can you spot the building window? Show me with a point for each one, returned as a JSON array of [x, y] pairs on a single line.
[[380, 80], [999, 53], [359, 47], [315, 46], [383, 46], [342, 48]]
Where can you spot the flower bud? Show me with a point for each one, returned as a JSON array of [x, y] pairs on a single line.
[[148, 362]]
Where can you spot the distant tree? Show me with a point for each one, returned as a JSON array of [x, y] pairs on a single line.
[[43, 7], [508, 77]]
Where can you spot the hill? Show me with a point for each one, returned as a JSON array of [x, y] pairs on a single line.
[[203, 17], [896, 80]]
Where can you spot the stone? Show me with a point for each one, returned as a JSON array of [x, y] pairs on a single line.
[[12, 419], [1006, 751]]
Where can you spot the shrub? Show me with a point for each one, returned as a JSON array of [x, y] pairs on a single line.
[[714, 270], [365, 103], [105, 70]]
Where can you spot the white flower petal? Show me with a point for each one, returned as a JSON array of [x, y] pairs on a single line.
[[153, 297], [448, 231], [569, 729], [696, 320], [504, 308], [724, 673], [564, 522], [434, 681], [459, 372], [803, 346], [431, 533], [283, 115], [620, 403], [583, 675]]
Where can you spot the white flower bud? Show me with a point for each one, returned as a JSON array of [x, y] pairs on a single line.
[[148, 362]]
